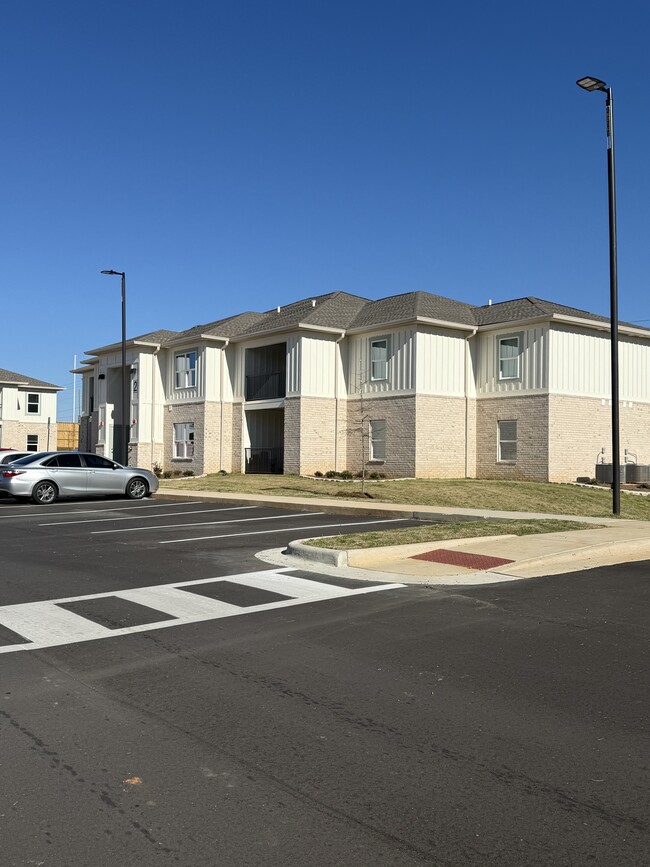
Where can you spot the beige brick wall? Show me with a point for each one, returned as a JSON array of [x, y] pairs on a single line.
[[317, 434], [182, 413], [237, 456], [400, 416], [292, 435], [579, 427], [441, 437], [531, 413], [14, 435], [226, 449]]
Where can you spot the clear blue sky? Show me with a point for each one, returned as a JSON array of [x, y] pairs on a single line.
[[239, 155]]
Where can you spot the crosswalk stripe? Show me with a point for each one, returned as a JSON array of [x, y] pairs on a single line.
[[46, 624]]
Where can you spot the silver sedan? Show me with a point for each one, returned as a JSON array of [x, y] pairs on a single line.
[[46, 476]]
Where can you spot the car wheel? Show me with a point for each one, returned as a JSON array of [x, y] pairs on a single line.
[[137, 488], [45, 493]]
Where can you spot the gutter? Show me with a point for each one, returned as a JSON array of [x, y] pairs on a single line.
[[153, 401], [222, 360], [336, 399], [467, 352]]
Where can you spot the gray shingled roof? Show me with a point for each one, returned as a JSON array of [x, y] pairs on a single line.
[[341, 310], [161, 336], [228, 327], [527, 308], [10, 376], [411, 305], [334, 310]]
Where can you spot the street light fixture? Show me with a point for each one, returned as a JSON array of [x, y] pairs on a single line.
[[125, 407], [590, 83]]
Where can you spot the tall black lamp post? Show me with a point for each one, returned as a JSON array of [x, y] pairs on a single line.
[[590, 83], [124, 453]]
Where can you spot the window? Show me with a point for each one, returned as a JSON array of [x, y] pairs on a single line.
[[32, 442], [33, 404], [379, 350], [509, 355], [97, 462], [184, 440], [507, 441], [378, 439], [66, 459], [185, 369]]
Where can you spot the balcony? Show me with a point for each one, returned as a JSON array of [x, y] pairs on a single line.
[[266, 386], [265, 460]]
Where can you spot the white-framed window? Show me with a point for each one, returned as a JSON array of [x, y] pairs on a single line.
[[185, 369], [33, 404], [507, 433], [32, 442], [509, 351], [379, 352], [184, 440], [378, 439]]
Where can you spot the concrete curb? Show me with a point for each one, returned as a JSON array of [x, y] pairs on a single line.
[[328, 556]]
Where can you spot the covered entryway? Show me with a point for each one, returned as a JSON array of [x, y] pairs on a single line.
[[264, 452]]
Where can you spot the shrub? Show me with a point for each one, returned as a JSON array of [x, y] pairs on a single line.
[[331, 474], [222, 473], [167, 474], [318, 474], [157, 470], [345, 474], [373, 475], [188, 472]]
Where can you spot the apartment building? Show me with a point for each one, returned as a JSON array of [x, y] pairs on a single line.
[[27, 412], [411, 385]]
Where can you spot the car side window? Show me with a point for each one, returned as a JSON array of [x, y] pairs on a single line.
[[71, 460], [97, 462]]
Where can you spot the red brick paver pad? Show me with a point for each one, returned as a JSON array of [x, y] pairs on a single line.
[[461, 558]]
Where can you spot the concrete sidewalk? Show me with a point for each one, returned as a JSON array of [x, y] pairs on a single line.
[[456, 561]]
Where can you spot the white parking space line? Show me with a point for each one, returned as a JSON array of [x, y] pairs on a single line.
[[283, 530], [139, 517], [44, 624], [25, 513], [201, 523]]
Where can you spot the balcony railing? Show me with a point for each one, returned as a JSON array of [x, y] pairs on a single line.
[[266, 386], [265, 460]]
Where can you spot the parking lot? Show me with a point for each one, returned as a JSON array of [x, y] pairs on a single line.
[[79, 571]]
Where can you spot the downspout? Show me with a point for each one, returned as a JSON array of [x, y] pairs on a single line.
[[336, 402], [221, 367], [153, 400], [467, 351]]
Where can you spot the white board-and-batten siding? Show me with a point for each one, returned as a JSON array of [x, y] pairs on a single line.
[[533, 361], [580, 364]]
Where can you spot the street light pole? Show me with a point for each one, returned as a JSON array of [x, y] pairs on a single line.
[[590, 84], [125, 408]]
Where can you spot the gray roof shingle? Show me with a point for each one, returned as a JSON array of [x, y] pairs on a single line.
[[7, 376], [341, 310]]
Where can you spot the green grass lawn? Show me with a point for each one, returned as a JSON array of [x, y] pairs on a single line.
[[464, 493], [440, 532]]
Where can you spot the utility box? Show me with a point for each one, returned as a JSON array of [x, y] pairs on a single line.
[[605, 476], [638, 474]]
